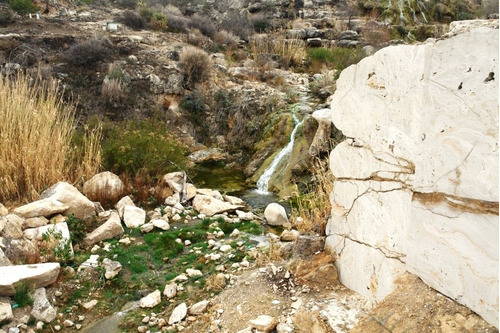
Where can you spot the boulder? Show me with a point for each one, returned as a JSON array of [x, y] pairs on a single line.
[[13, 226], [211, 193], [151, 300], [105, 187], [245, 216], [178, 314], [120, 205], [111, 268], [111, 228], [39, 275], [264, 323], [314, 42], [170, 184], [198, 308], [208, 155], [42, 309], [275, 214], [66, 193], [5, 309], [234, 200], [133, 216], [161, 224], [416, 184], [43, 207], [190, 191], [349, 34], [210, 206]]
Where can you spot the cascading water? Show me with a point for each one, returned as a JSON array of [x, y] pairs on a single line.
[[263, 182]]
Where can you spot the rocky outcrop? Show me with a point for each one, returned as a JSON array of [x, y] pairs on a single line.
[[417, 178]]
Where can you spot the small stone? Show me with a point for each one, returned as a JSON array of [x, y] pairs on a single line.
[[147, 227], [193, 272], [151, 300], [39, 325], [112, 268], [225, 248], [57, 327], [170, 290], [78, 326], [90, 304], [264, 323], [81, 318], [187, 242], [235, 233], [142, 329], [125, 241], [145, 319], [178, 314], [199, 308], [68, 323]]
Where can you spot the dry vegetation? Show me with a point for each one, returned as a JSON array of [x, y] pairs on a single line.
[[291, 51], [314, 208], [36, 148]]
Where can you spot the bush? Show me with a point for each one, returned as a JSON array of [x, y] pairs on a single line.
[[37, 148], [129, 4], [6, 16], [226, 38], [204, 25], [144, 146], [194, 104], [238, 24], [196, 64], [132, 20], [89, 52], [112, 91], [261, 23], [338, 57], [22, 6], [177, 23], [195, 37], [158, 21]]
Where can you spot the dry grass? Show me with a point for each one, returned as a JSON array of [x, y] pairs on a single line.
[[291, 51], [36, 148], [112, 91], [196, 64], [314, 207]]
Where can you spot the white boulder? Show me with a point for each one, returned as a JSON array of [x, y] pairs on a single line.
[[39, 275], [79, 205], [42, 309], [209, 206], [43, 207], [105, 186], [178, 314], [275, 214], [111, 228], [151, 300], [133, 216]]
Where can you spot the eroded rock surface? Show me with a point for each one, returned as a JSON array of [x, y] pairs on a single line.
[[417, 178]]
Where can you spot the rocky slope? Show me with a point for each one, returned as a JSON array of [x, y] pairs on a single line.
[[417, 178]]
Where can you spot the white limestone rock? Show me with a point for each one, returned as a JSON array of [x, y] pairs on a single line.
[[198, 308], [13, 226], [210, 206], [264, 323], [42, 309], [104, 186], [111, 228], [120, 205], [111, 267], [79, 205], [151, 300], [133, 216], [43, 207], [417, 179], [5, 309], [178, 314], [170, 290], [275, 214], [39, 275], [161, 224], [170, 184]]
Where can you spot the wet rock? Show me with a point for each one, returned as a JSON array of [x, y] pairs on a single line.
[[42, 309], [264, 323], [178, 314], [151, 300], [275, 214], [79, 205], [112, 268], [39, 275], [111, 228], [43, 207], [105, 187]]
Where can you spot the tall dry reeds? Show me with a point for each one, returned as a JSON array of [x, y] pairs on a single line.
[[36, 148], [291, 51], [314, 207]]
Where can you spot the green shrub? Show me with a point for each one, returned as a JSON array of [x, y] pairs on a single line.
[[22, 6], [22, 297], [77, 228], [336, 57], [158, 21], [131, 147], [194, 104]]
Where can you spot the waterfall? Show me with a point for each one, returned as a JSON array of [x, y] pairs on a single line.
[[263, 182]]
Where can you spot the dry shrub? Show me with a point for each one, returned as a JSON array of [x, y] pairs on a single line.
[[203, 24], [196, 63], [291, 51], [89, 52], [314, 207], [377, 34], [166, 103], [132, 20], [112, 91], [227, 38], [36, 147], [195, 37]]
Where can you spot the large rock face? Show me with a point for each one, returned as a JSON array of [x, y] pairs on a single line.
[[417, 179]]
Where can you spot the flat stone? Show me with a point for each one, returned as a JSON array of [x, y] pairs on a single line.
[[43, 207], [40, 275], [5, 309], [161, 224], [210, 206], [170, 290], [111, 228], [79, 205], [199, 308]]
